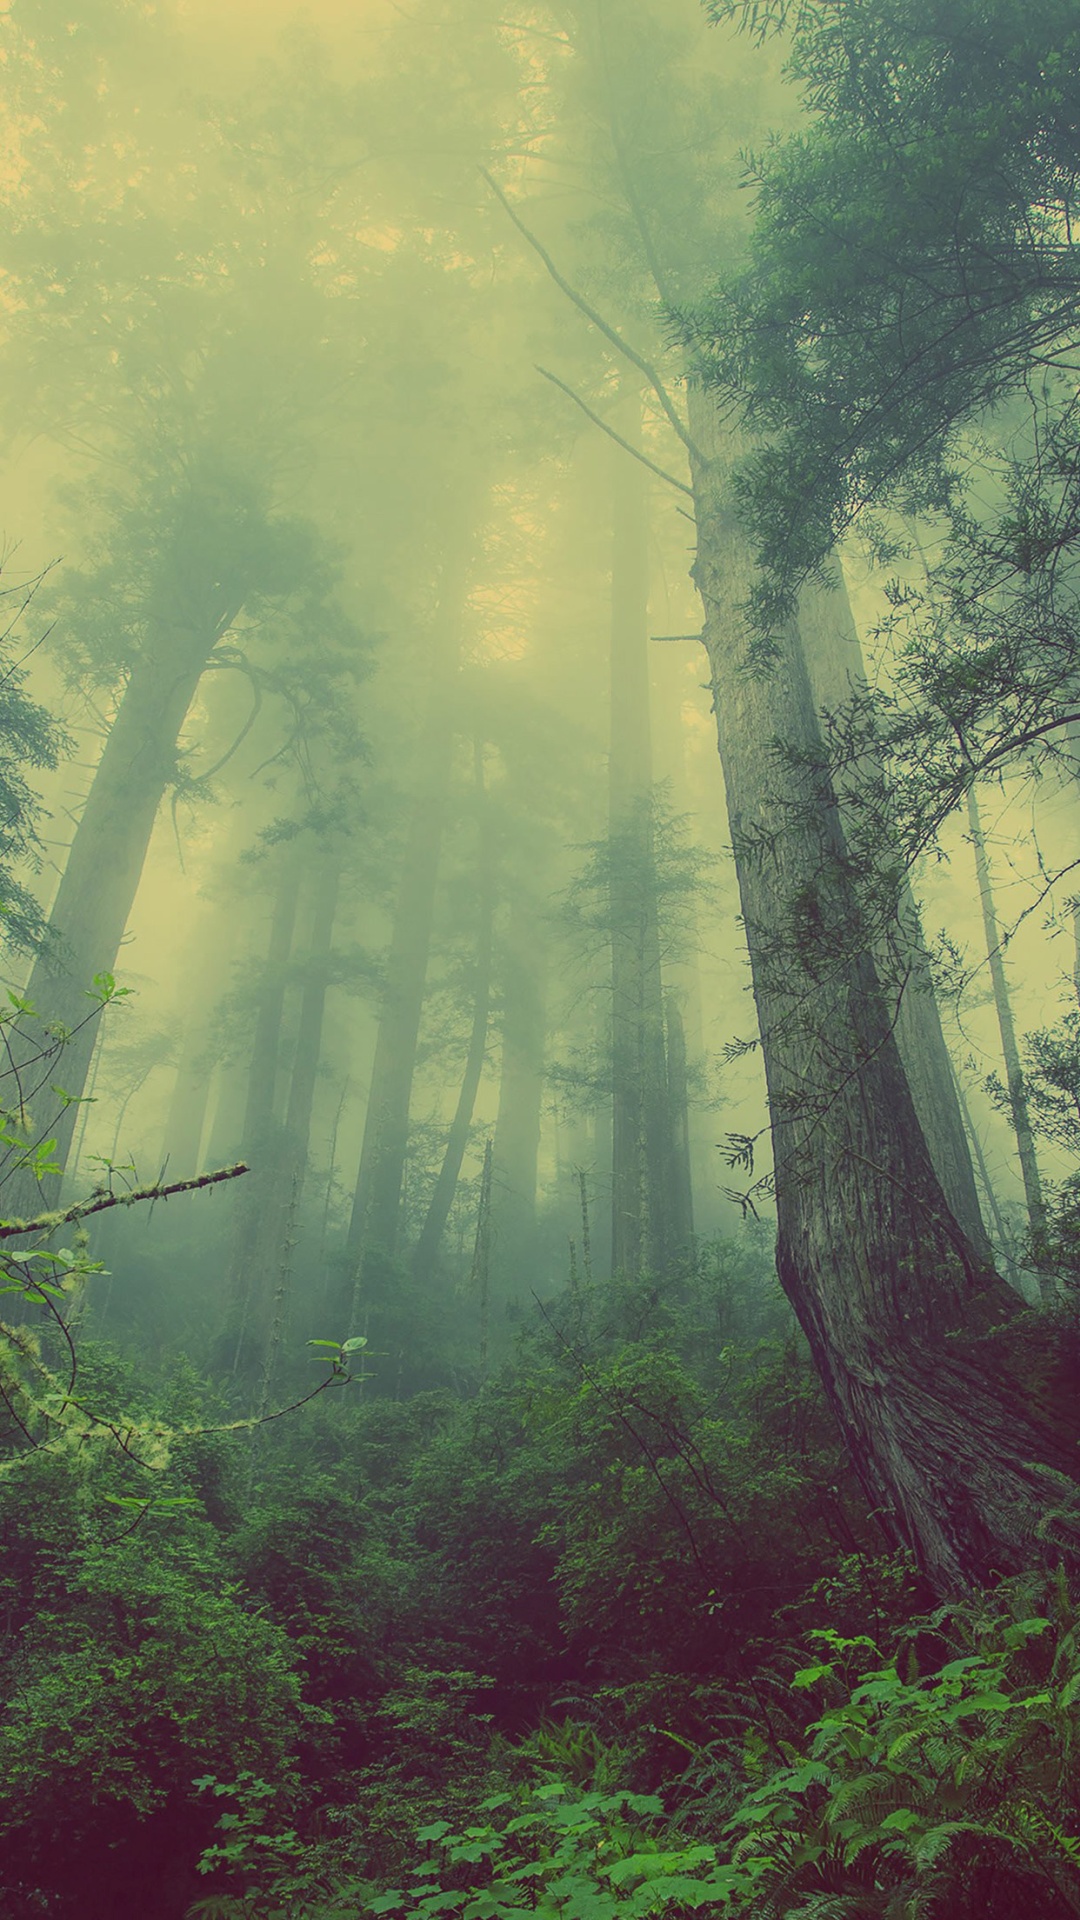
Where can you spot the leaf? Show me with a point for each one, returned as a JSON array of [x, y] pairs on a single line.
[[809, 1676]]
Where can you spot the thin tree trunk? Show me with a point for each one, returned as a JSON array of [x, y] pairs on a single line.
[[305, 1071], [521, 1083], [480, 1278], [186, 1118], [376, 1205], [425, 1253], [640, 1227], [958, 1410], [376, 1209], [1014, 1073], [1005, 1240], [266, 1046], [258, 1225], [680, 1176]]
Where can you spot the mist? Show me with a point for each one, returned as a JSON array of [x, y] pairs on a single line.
[[539, 1134]]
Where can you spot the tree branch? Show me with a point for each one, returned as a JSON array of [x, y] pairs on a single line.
[[612, 435], [609, 332], [47, 1222]]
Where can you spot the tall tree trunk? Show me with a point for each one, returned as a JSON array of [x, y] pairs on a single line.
[[377, 1196], [837, 673], [316, 979], [258, 1235], [1014, 1073], [516, 1148], [1005, 1250], [957, 1407], [185, 1122], [681, 1185], [425, 1253], [376, 1208], [104, 867], [640, 1226], [186, 1117]]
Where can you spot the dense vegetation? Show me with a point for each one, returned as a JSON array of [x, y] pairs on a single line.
[[539, 1354]]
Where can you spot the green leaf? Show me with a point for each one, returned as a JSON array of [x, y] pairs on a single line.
[[434, 1832]]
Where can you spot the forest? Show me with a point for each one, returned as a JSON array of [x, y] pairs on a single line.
[[540, 921]]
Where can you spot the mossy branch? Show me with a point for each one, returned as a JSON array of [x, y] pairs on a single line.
[[99, 1203]]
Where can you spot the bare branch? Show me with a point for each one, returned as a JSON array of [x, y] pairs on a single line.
[[596, 419], [609, 332]]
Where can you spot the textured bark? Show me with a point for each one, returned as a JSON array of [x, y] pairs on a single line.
[[837, 672], [958, 1408]]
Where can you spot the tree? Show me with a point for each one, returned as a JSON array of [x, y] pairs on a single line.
[[912, 263], [30, 739]]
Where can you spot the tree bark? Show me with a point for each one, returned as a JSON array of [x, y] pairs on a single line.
[[837, 673], [957, 1407]]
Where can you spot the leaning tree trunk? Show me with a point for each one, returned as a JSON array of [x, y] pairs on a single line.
[[957, 1407], [103, 870]]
